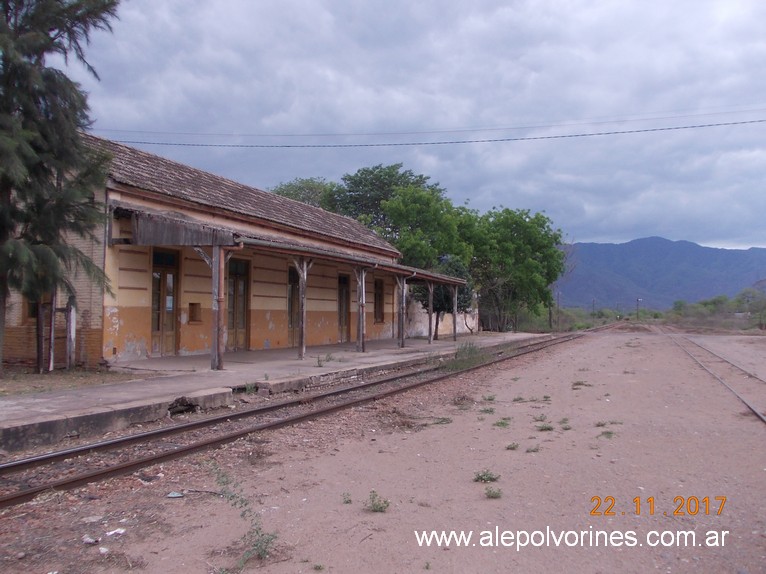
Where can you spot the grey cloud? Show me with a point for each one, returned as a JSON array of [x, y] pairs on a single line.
[[534, 68]]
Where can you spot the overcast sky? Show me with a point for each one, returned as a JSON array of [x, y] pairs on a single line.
[[524, 74]]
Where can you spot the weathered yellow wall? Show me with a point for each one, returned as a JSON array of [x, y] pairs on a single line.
[[268, 302], [127, 328], [196, 286], [322, 305], [384, 329], [127, 315], [117, 326], [125, 333]]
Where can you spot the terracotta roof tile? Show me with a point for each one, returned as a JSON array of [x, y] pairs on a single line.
[[153, 173]]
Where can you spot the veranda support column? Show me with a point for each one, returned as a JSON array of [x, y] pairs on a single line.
[[71, 332], [361, 299], [430, 286], [221, 254], [454, 312], [52, 326], [216, 352], [302, 266], [402, 283]]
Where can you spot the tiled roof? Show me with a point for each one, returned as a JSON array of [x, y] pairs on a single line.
[[153, 173]]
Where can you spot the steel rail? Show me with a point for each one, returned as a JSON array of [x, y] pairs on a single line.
[[744, 401], [64, 454], [125, 468]]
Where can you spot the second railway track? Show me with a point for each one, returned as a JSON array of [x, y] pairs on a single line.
[[23, 479], [745, 385]]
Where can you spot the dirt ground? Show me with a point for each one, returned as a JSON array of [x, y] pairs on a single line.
[[583, 440]]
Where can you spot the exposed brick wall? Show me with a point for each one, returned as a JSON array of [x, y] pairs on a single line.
[[20, 339]]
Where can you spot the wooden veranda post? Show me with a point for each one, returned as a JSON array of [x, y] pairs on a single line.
[[52, 327], [221, 254], [216, 350], [302, 266], [454, 312], [402, 283], [361, 299], [40, 334], [430, 285], [71, 332]]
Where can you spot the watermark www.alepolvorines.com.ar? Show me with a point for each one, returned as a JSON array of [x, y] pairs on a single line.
[[553, 538]]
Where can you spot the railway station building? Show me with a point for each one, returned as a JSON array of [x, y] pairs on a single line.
[[201, 264]]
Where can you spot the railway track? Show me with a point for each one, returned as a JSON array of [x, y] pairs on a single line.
[[23, 479], [748, 387]]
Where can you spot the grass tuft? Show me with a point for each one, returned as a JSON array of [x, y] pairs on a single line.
[[375, 503], [485, 475], [255, 540], [490, 492]]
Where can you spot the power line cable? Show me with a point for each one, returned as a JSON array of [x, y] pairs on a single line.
[[560, 124], [446, 142]]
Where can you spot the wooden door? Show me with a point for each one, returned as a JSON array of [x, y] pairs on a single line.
[[344, 309], [164, 279], [237, 307], [293, 307]]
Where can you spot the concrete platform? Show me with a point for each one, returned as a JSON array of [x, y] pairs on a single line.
[[43, 419]]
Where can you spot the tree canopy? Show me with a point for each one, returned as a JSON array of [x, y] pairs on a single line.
[[424, 226], [310, 190], [362, 193], [516, 259], [511, 256], [46, 173]]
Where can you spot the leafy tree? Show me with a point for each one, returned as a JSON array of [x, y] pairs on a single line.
[[50, 219], [512, 256], [424, 226], [361, 195], [442, 299], [312, 190], [680, 307], [753, 301], [516, 259], [715, 305], [43, 159]]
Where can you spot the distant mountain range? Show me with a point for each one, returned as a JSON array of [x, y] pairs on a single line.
[[657, 271]]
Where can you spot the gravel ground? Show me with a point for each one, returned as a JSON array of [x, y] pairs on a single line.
[[577, 436]]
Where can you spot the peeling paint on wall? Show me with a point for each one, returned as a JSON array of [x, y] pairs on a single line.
[[112, 321], [134, 349]]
